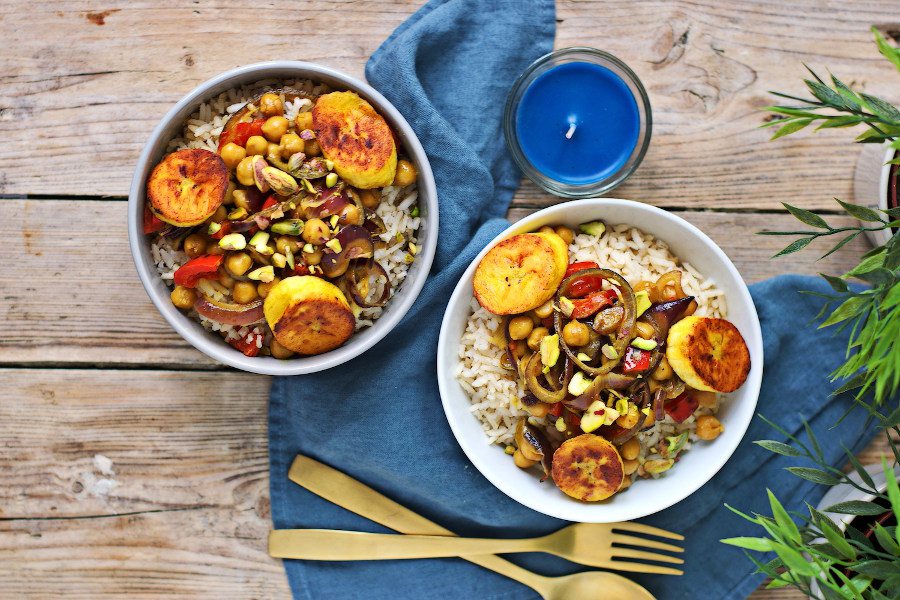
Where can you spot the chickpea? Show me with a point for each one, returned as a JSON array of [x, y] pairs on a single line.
[[244, 174], [649, 420], [244, 292], [240, 198], [535, 337], [708, 427], [350, 214], [520, 327], [370, 198], [644, 330], [706, 399], [576, 333], [521, 461], [630, 466], [284, 242], [406, 174], [274, 128], [229, 193], [630, 418], [238, 263], [303, 121], [183, 297], [662, 371], [626, 483], [226, 279], [291, 144], [565, 233], [316, 231], [263, 289], [311, 148], [215, 249], [195, 245], [273, 151], [219, 215], [279, 351], [518, 349], [546, 229], [544, 310], [232, 154], [313, 258], [630, 449], [256, 145], [270, 105]]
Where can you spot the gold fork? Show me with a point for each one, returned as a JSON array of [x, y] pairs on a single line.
[[590, 544], [356, 497]]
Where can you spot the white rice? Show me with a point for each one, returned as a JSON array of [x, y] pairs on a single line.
[[202, 130], [493, 390]]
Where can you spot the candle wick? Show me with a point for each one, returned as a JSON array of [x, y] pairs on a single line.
[[571, 131]]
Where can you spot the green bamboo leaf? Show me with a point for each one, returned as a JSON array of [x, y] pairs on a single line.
[[814, 475], [870, 263], [841, 244], [893, 490], [862, 213], [824, 93], [850, 97], [791, 111], [806, 216], [778, 448], [837, 540], [882, 109], [750, 543], [777, 583], [859, 468], [887, 542], [836, 283], [849, 308], [878, 569], [793, 560], [795, 246], [812, 439], [889, 52], [783, 519], [791, 126], [856, 507], [846, 121]]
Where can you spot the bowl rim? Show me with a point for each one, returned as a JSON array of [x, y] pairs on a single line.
[[582, 511], [401, 303]]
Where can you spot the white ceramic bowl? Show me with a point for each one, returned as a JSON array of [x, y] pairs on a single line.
[[696, 466], [212, 344]]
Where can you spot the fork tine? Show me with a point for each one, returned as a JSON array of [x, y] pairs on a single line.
[[631, 540], [640, 528], [632, 553], [633, 567]]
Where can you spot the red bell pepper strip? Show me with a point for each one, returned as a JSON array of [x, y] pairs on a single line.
[[240, 133], [681, 407], [269, 203], [573, 422], [580, 266], [636, 361], [247, 348], [202, 267], [594, 302], [301, 269], [224, 229], [152, 223], [556, 409]]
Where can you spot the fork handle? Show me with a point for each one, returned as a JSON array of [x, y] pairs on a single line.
[[357, 497], [330, 544]]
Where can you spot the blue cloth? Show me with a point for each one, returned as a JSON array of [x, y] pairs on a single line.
[[379, 417]]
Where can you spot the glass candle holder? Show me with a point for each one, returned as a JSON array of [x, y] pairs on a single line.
[[577, 122]]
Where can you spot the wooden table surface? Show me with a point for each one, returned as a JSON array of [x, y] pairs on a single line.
[[88, 367]]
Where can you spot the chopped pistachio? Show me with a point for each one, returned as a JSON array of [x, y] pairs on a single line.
[[409, 258], [260, 238], [654, 467], [309, 187], [258, 163], [642, 302], [415, 211], [643, 344], [534, 421], [646, 410], [609, 352], [280, 182], [213, 228], [399, 237], [509, 450], [549, 351], [329, 164], [578, 384], [593, 228], [595, 416], [279, 260], [676, 443], [233, 241], [334, 244], [331, 179], [334, 220], [560, 424], [413, 249], [289, 258], [566, 306], [265, 274], [288, 227], [583, 357], [238, 213], [308, 248], [621, 405]]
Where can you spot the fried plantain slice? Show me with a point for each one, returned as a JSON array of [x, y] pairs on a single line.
[[588, 467], [356, 139], [187, 186], [308, 315], [708, 354], [520, 273]]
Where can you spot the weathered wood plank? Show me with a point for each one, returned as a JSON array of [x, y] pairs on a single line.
[[71, 295], [189, 513], [707, 67]]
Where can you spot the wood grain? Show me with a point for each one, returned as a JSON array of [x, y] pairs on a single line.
[[74, 116], [72, 295]]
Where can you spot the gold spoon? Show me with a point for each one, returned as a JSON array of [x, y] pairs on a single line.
[[357, 497]]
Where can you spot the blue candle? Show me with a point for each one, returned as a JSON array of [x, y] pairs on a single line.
[[577, 123]]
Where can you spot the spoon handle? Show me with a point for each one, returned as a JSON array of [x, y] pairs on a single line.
[[348, 493], [330, 544]]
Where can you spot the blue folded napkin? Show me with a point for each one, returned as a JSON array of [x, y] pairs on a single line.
[[379, 417]]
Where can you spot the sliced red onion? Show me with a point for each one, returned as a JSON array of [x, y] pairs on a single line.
[[361, 274], [355, 243], [230, 314]]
